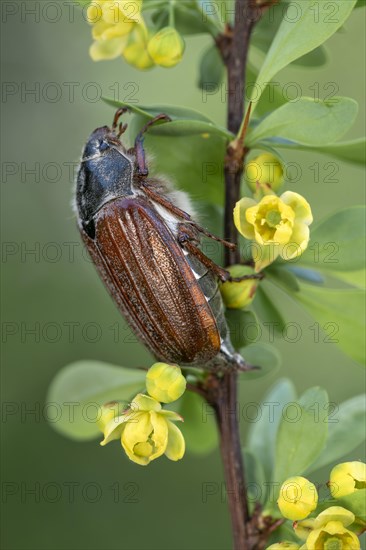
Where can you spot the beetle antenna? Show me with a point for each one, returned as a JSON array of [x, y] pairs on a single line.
[[117, 116]]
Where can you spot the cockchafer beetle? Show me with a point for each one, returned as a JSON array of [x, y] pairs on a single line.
[[145, 246]]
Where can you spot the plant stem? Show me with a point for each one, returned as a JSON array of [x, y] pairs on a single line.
[[222, 391], [246, 15], [225, 407]]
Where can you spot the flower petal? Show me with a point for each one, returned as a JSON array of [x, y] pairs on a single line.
[[300, 206], [283, 233], [298, 242], [176, 444], [114, 428], [334, 513], [106, 49], [240, 220], [160, 434], [264, 255], [171, 415], [137, 431], [144, 402]]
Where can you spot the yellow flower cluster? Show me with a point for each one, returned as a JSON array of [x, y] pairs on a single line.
[[118, 29], [277, 226], [335, 527], [145, 429]]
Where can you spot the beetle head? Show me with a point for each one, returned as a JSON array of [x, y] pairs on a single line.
[[105, 173], [100, 142]]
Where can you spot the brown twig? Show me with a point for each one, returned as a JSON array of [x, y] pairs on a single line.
[[221, 392]]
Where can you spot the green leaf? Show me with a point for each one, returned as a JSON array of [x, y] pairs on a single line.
[[199, 426], [78, 389], [356, 502], [176, 112], [302, 434], [283, 278], [211, 70], [346, 431], [268, 26], [350, 151], [270, 99], [341, 315], [338, 242], [190, 128], [315, 58], [360, 4], [185, 121], [266, 309], [262, 355], [307, 121], [243, 327], [262, 434], [353, 278], [301, 32]]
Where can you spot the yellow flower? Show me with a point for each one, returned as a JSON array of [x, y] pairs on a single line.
[[166, 47], [347, 478], [298, 498], [278, 225], [109, 411], [264, 174], [146, 431], [114, 11], [107, 49], [135, 50], [112, 22], [334, 513], [238, 295], [332, 536], [165, 383], [303, 528]]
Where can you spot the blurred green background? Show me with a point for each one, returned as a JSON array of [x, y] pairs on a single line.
[[56, 493]]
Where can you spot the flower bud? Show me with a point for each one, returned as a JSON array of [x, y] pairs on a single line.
[[166, 47], [264, 174], [241, 294], [135, 51], [165, 383], [298, 498], [347, 478]]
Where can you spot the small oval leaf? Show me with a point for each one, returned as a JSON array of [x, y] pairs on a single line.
[[80, 388]]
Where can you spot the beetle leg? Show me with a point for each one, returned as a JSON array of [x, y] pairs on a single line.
[[163, 201], [117, 116], [139, 144], [202, 230], [188, 240]]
